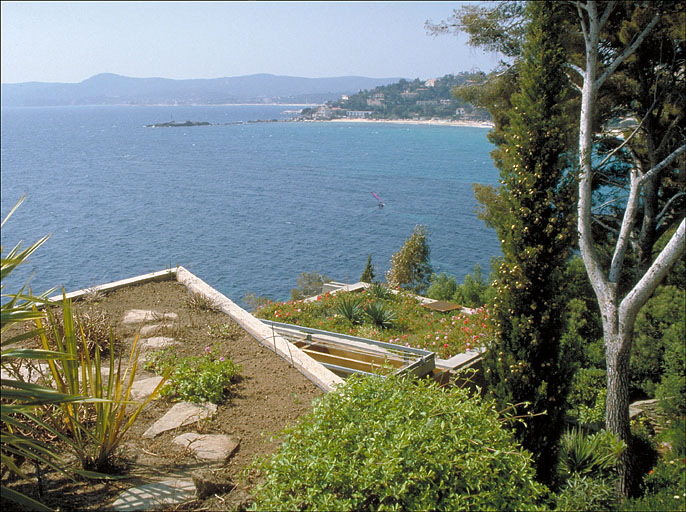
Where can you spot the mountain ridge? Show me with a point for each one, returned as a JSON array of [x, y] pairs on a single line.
[[114, 89]]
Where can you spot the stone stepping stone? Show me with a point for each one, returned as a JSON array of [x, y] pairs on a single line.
[[157, 343], [138, 316], [211, 447], [183, 413], [147, 330], [142, 389], [155, 495]]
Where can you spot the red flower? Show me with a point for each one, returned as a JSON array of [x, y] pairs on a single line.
[[445, 345]]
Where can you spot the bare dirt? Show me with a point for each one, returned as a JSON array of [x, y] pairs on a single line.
[[270, 395]]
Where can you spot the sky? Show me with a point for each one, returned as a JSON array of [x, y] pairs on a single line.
[[72, 41]]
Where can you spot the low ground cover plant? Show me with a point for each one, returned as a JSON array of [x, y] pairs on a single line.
[[399, 444], [203, 378], [379, 314]]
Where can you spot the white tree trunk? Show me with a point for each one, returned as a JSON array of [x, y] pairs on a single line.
[[618, 316]]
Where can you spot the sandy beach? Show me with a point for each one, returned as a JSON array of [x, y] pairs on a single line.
[[435, 122]]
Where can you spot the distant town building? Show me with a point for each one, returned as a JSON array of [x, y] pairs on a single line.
[[459, 111], [359, 114], [345, 97], [323, 112], [426, 102], [431, 82], [409, 94], [445, 102]]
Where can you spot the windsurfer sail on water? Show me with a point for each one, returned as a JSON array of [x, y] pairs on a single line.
[[381, 203]]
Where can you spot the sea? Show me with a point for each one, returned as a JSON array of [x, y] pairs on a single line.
[[246, 206]]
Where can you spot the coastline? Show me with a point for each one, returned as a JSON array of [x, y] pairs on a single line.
[[433, 122]]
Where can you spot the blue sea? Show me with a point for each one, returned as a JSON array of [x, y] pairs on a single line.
[[246, 207]]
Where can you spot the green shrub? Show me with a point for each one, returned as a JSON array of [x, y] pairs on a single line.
[[442, 287], [398, 444], [587, 396], [349, 307], [380, 315], [309, 285], [586, 493], [204, 378]]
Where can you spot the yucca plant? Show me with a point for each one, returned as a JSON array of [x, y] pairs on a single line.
[[380, 314], [96, 428], [595, 455], [21, 427], [380, 291], [349, 307]]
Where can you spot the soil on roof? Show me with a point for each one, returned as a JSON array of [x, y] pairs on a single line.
[[270, 395]]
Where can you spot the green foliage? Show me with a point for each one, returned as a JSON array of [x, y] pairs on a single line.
[[414, 326], [96, 427], [368, 272], [587, 397], [204, 378], [594, 455], [309, 285], [534, 222], [664, 487], [255, 302], [398, 444], [658, 340], [21, 428], [581, 492], [410, 267], [475, 291], [413, 99], [380, 291], [380, 314], [442, 287], [349, 307], [586, 468]]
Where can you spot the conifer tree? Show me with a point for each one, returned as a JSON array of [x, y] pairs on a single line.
[[534, 225], [368, 273]]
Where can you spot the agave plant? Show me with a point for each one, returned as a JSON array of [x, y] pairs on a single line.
[[380, 314], [349, 307]]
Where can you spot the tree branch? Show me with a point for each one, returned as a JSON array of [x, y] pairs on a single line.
[[626, 141], [608, 10], [638, 296], [627, 52], [661, 166], [664, 210]]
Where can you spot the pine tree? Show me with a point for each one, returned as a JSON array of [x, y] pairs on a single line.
[[534, 227], [368, 273]]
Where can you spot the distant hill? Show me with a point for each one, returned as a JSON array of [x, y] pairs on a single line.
[[111, 89]]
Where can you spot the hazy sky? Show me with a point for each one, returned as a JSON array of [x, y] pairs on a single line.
[[72, 41]]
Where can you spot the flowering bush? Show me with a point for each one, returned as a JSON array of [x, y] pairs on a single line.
[[447, 334], [204, 378]]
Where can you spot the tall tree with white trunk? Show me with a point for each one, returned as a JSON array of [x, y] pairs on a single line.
[[618, 310]]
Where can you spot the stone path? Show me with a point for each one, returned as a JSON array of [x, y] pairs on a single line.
[[213, 449]]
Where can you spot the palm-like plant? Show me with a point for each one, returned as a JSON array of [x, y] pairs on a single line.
[[381, 315], [20, 426], [349, 307]]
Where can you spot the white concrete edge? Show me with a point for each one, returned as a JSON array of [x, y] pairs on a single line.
[[161, 275], [322, 377]]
